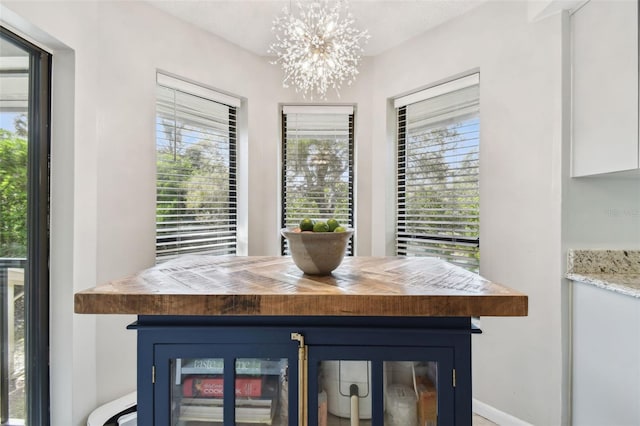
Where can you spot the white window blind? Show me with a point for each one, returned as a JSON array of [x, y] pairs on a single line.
[[437, 183], [196, 174], [317, 165]]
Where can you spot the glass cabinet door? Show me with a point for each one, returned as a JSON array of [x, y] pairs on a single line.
[[203, 389], [198, 391], [397, 387]]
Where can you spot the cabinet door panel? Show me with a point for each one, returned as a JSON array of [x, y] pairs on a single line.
[[399, 386], [605, 87], [224, 384]]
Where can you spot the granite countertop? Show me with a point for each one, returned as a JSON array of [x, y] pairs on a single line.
[[255, 285], [614, 270]]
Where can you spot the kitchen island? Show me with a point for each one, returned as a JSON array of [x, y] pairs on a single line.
[[388, 311]]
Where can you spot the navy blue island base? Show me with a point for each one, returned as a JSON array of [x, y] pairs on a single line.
[[444, 340]]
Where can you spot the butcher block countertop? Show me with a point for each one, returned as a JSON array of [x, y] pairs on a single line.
[[258, 285]]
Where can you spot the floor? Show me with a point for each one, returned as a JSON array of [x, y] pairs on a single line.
[[477, 421], [481, 421]]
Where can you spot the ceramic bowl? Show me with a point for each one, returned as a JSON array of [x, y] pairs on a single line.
[[317, 253]]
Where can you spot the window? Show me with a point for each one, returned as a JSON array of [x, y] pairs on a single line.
[[196, 170], [25, 81], [437, 183], [317, 165]]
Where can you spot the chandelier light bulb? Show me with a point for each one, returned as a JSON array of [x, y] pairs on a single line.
[[319, 49]]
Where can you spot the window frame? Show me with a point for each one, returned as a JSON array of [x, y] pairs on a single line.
[[400, 106], [349, 110], [185, 87]]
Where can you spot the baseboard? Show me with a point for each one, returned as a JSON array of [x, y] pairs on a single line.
[[496, 416]]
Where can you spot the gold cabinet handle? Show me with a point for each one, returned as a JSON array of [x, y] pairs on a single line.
[[302, 378]]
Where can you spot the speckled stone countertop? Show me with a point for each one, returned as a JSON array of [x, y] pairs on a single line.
[[615, 270]]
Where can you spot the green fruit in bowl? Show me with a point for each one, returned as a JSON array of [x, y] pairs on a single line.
[[332, 224], [340, 229], [306, 225], [320, 227]]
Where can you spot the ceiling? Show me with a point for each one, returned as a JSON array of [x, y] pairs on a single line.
[[247, 23]]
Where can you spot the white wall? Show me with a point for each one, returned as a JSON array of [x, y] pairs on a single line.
[[602, 212], [518, 362], [104, 177]]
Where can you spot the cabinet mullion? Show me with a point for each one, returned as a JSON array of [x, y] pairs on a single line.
[[229, 395], [377, 392]]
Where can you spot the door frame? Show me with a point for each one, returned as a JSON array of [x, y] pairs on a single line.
[[37, 264]]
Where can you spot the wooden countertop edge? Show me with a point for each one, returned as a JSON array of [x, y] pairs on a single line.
[[303, 304]]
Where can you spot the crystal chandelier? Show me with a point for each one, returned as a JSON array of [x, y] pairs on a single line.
[[319, 49]]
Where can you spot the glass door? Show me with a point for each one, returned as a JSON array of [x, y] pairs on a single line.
[[399, 386], [234, 385], [24, 231]]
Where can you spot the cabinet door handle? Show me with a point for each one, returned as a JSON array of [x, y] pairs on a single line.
[[302, 378]]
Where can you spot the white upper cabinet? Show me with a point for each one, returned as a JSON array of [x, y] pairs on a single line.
[[605, 87]]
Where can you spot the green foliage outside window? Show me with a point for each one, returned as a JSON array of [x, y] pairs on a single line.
[[316, 179], [13, 194], [193, 180], [441, 197], [195, 201]]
